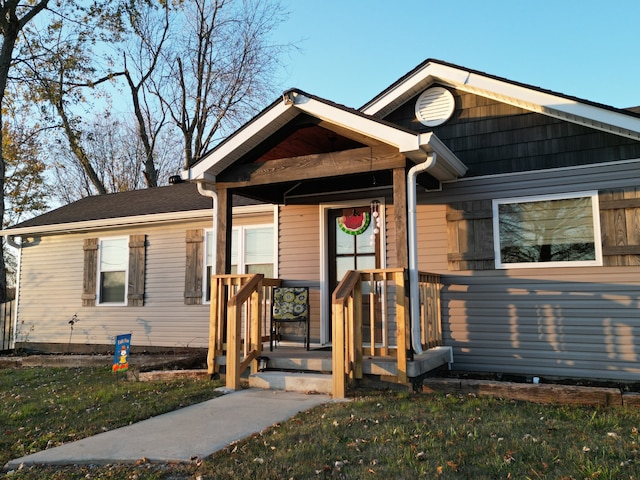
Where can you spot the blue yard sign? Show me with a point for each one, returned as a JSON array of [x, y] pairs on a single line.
[[121, 355]]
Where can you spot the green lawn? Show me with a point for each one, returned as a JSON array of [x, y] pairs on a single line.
[[377, 435]]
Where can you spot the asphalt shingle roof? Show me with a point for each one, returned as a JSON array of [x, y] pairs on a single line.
[[182, 197]]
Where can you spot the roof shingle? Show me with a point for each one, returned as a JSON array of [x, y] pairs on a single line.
[[182, 197]]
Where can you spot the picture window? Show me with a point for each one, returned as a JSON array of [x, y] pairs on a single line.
[[547, 231]]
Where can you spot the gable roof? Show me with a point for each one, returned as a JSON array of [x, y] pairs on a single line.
[[594, 115], [413, 145], [168, 203]]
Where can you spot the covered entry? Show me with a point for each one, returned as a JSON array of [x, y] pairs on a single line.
[[327, 167]]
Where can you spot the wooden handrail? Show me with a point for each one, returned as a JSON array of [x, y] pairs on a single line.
[[345, 287], [246, 290], [387, 306], [237, 300]]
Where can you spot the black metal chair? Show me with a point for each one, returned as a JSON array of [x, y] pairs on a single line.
[[289, 305]]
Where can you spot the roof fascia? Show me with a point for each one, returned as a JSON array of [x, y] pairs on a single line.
[[448, 166], [265, 124], [548, 103], [386, 133], [102, 224], [412, 144], [137, 220]]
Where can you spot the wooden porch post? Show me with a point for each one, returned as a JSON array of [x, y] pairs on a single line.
[[223, 251], [223, 232], [402, 261], [400, 217]]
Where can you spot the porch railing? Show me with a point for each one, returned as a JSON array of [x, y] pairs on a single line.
[[239, 313], [371, 315]]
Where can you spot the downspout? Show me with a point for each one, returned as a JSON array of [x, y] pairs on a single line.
[[209, 190], [414, 306]]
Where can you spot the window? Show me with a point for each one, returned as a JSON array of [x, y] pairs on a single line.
[[547, 231], [104, 278], [252, 251], [112, 279]]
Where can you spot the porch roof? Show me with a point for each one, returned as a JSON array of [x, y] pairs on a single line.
[[415, 146]]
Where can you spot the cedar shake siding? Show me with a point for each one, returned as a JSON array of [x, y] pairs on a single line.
[[555, 322], [490, 137]]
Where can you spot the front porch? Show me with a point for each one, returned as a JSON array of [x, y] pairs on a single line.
[[371, 330]]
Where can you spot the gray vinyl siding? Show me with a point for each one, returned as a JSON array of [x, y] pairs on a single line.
[[299, 255], [576, 322], [51, 285], [557, 322]]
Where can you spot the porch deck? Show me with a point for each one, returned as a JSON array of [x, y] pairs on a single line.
[[369, 307], [318, 360]]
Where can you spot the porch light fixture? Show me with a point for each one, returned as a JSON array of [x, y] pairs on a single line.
[[263, 363]]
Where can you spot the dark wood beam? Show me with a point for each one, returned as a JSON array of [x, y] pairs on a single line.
[[400, 217], [223, 232], [334, 164]]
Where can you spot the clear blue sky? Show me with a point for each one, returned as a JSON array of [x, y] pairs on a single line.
[[350, 50]]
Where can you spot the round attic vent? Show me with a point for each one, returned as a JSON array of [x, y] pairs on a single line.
[[434, 106]]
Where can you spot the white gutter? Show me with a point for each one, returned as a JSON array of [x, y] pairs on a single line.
[[414, 307], [209, 190], [105, 223]]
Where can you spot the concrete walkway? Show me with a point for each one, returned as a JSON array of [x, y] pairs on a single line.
[[193, 432]]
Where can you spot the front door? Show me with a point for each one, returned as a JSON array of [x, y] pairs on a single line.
[[353, 243]]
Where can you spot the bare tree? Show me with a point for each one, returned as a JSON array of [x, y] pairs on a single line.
[[189, 70], [117, 156], [63, 74], [219, 68], [141, 57]]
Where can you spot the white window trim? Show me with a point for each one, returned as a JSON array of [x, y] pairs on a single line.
[[595, 215], [99, 301], [240, 229]]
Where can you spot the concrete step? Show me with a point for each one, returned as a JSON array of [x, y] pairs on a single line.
[[292, 382], [293, 362]]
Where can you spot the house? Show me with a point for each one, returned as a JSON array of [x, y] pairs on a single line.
[[132, 262], [524, 201], [521, 204]]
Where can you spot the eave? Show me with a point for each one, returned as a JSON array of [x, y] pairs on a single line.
[[411, 145], [571, 109], [125, 222]]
